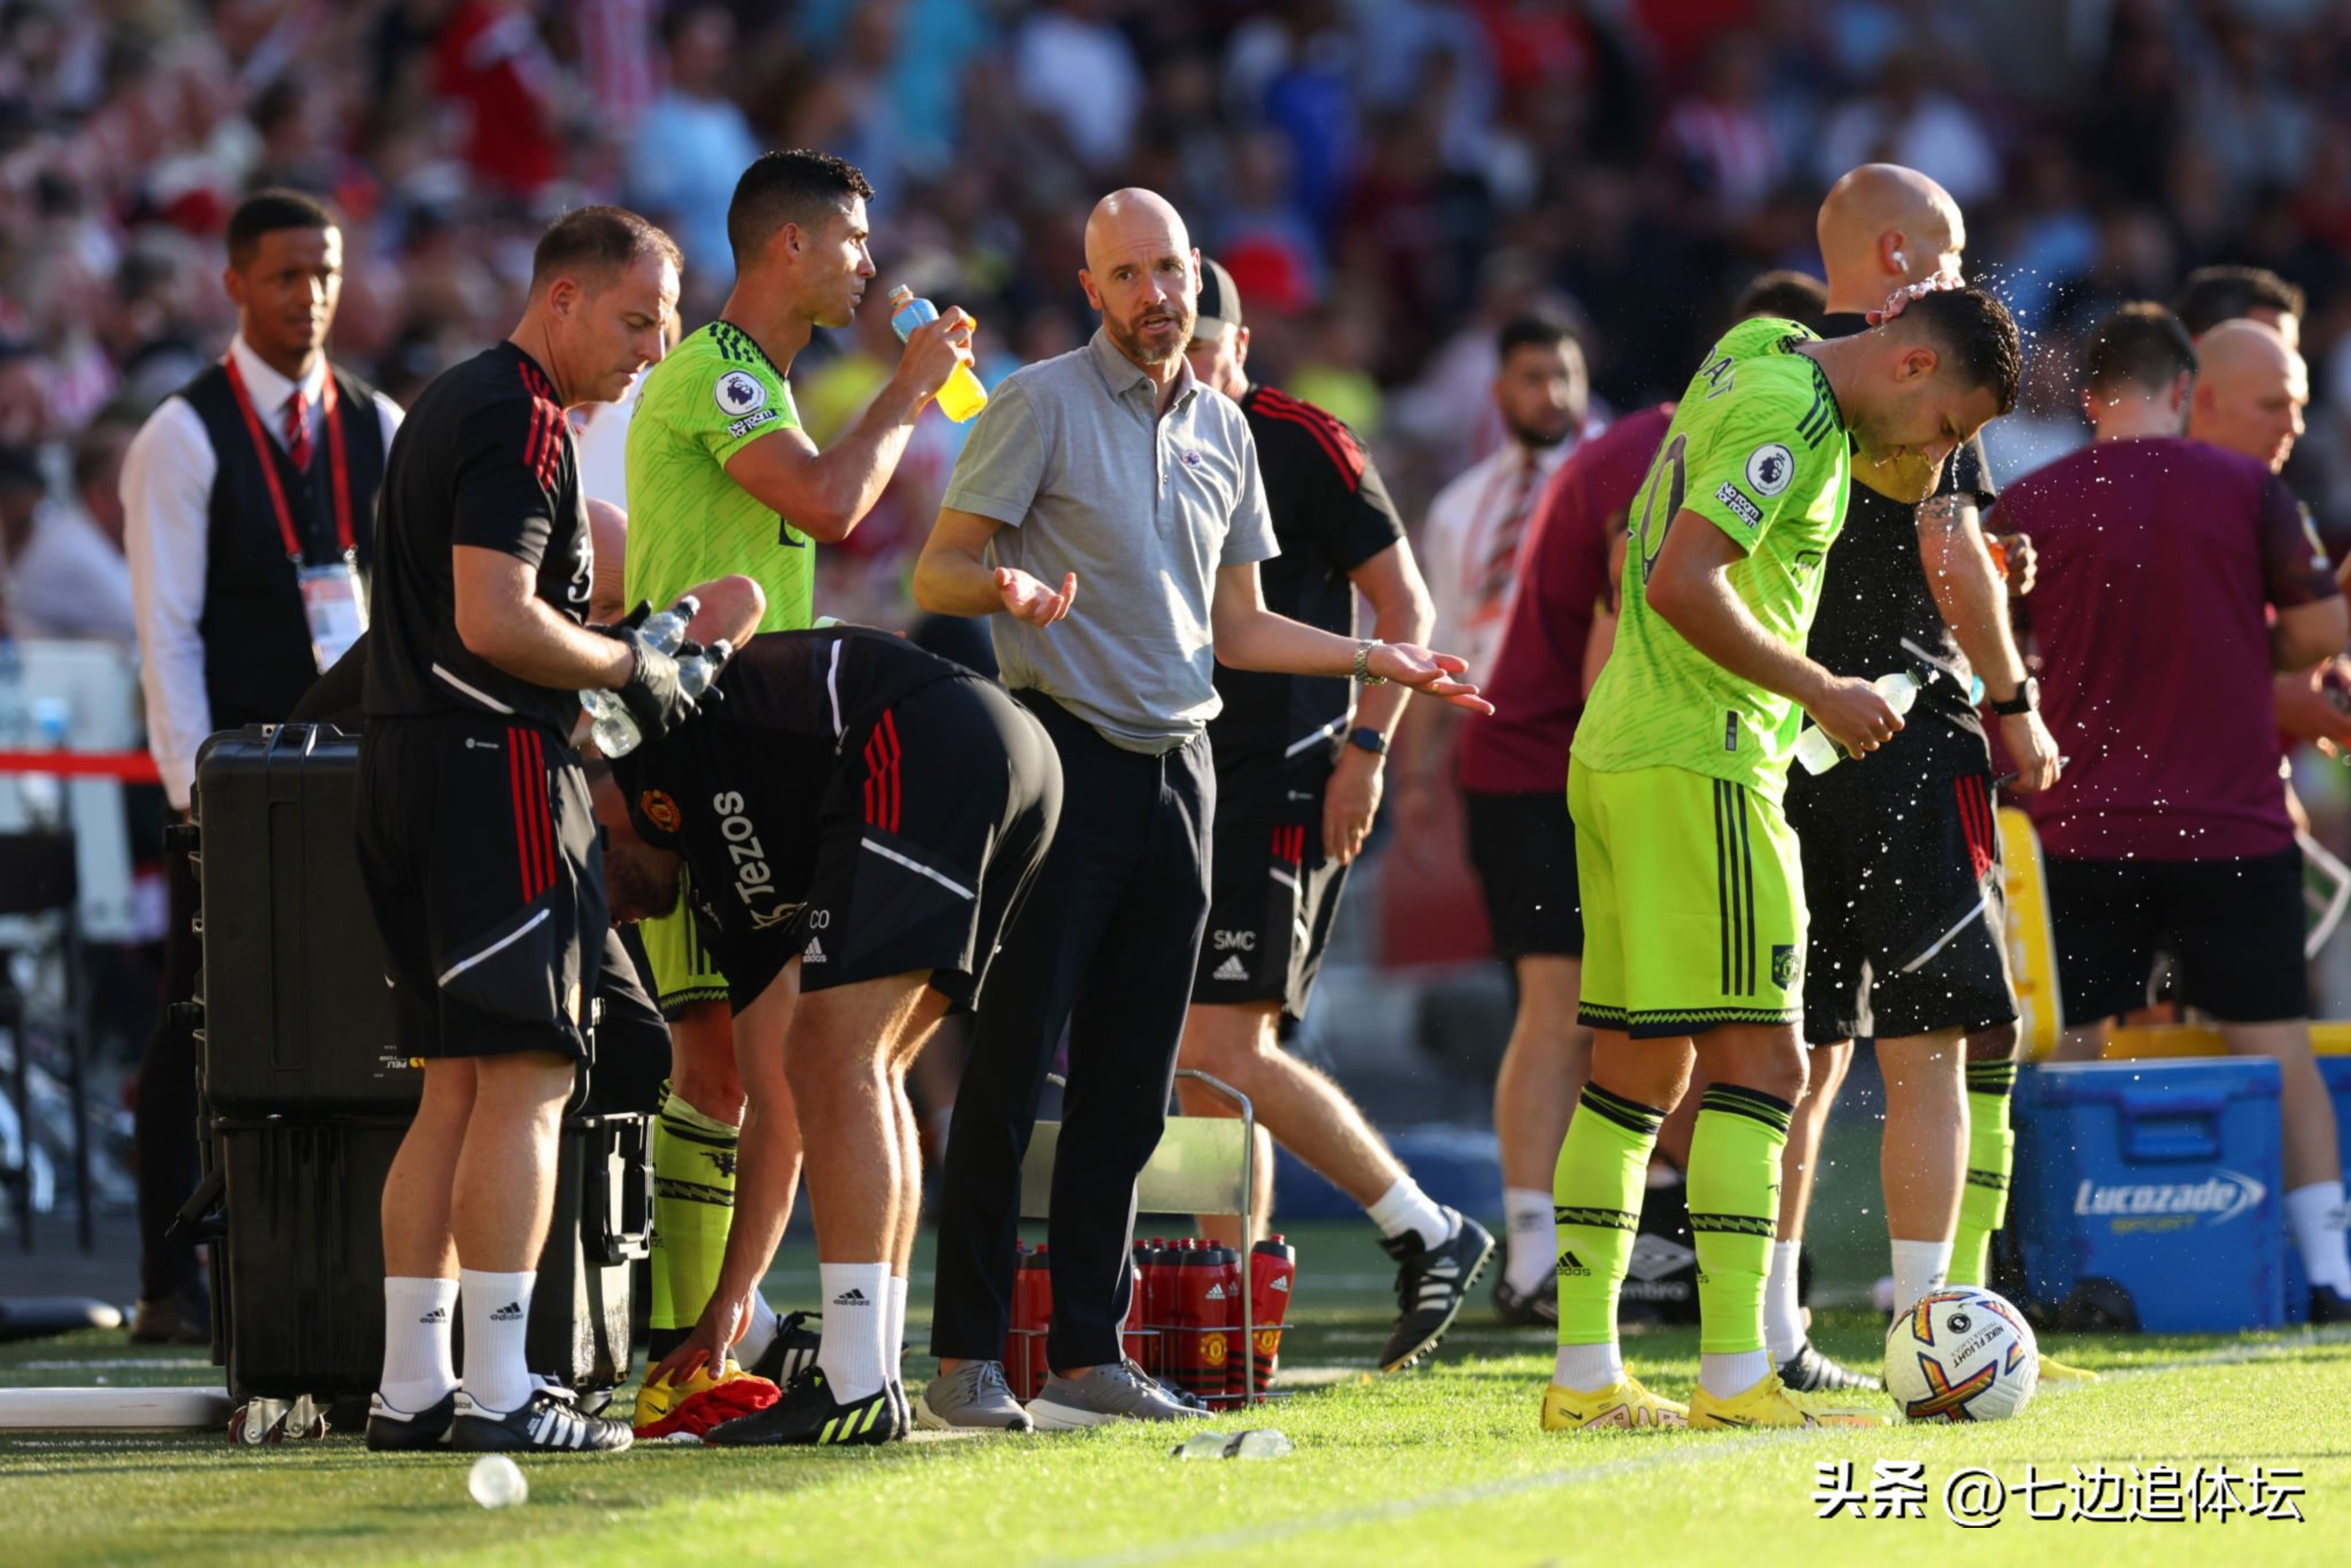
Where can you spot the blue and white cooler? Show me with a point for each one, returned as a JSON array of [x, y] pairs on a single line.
[[2161, 1178]]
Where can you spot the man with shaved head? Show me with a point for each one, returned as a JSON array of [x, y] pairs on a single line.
[[2250, 389], [1114, 466]]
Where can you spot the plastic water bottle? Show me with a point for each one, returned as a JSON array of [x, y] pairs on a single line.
[[963, 396], [615, 732], [1818, 753]]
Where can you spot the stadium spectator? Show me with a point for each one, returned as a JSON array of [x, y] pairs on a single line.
[[247, 499], [68, 578], [1054, 479], [692, 146], [1300, 768], [2159, 557], [478, 653]]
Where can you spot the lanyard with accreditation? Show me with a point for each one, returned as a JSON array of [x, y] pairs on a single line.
[[331, 599]]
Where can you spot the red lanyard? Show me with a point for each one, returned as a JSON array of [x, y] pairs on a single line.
[[332, 409]]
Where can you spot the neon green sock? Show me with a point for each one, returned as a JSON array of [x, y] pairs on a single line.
[[1734, 1198], [1991, 1155], [693, 1203], [1596, 1193]]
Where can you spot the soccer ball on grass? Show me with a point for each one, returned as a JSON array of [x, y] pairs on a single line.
[[1961, 1353]]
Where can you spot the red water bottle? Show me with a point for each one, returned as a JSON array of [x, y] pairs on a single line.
[[1187, 1317], [1016, 1345], [1228, 1264], [1136, 1342], [1220, 1321], [1273, 1268], [1158, 1298], [1032, 1315]]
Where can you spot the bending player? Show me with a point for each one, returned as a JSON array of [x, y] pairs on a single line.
[[933, 797], [1693, 899], [1298, 779]]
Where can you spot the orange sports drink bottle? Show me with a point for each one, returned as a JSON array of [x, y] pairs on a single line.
[[963, 396]]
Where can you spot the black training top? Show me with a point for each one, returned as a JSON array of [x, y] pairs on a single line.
[[738, 789], [483, 458], [1277, 736], [1877, 615]]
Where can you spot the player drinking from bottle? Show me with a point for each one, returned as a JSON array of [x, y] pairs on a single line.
[[1693, 898]]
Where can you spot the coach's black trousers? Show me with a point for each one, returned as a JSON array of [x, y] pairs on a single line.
[[1105, 946]]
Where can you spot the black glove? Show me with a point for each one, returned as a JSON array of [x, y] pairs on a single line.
[[652, 695]]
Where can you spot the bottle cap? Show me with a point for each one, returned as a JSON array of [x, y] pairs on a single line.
[[901, 294]]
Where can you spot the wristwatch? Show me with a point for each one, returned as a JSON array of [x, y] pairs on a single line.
[[1363, 663], [1363, 737], [2026, 700]]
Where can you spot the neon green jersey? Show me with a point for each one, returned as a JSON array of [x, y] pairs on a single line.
[[1758, 448], [689, 521]]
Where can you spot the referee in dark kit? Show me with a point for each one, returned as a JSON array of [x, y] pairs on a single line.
[[1115, 464], [475, 838]]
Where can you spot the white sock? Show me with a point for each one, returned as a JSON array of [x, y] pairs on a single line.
[[1405, 1207], [2315, 1215], [761, 1335], [498, 1314], [418, 1316], [1919, 1270], [856, 1322], [1589, 1368], [1732, 1372], [1783, 1320], [893, 1333], [1533, 1238]]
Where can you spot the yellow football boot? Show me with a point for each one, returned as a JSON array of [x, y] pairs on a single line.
[[1628, 1406], [1772, 1403]]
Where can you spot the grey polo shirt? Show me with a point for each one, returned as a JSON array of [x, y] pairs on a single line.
[[1072, 457]]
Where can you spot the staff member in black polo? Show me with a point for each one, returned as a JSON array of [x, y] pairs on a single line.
[[248, 502], [1111, 462], [475, 840]]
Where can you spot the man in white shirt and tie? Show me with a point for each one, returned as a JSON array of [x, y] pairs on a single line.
[[249, 503]]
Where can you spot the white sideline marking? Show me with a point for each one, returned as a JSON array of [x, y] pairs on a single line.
[[1451, 1497]]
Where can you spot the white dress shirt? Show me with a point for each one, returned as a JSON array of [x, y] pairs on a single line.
[[71, 581], [1467, 525], [167, 487]]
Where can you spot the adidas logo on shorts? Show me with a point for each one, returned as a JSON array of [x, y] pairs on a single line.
[[813, 952], [1232, 968]]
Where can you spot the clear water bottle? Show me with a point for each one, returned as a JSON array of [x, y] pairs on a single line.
[[615, 732], [963, 396], [1818, 753]]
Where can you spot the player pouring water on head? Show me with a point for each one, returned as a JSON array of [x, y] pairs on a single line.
[[1692, 891]]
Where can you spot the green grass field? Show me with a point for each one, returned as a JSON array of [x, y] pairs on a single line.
[[1445, 1464]]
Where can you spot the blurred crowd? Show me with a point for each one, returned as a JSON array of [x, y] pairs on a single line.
[[1387, 180]]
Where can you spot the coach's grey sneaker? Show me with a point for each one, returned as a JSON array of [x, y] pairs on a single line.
[[1107, 1394], [975, 1397]]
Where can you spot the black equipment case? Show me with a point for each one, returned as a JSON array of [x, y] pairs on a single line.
[[306, 1096]]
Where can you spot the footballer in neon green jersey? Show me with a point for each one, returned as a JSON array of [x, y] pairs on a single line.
[[1691, 885]]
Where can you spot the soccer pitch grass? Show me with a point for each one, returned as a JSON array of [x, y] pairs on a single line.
[[1444, 1464]]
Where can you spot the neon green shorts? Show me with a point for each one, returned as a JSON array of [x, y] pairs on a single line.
[[683, 970], [1693, 903]]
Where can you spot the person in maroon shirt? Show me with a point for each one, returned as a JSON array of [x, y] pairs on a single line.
[[2174, 577], [1513, 775]]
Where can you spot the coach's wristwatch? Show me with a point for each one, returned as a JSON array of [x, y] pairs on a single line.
[[2026, 700], [1363, 737], [1363, 663]]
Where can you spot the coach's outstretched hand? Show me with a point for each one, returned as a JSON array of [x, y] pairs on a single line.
[[1030, 600], [1429, 673], [721, 1324]]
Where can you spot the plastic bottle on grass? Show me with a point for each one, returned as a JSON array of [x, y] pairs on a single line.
[[1818, 753], [963, 396]]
